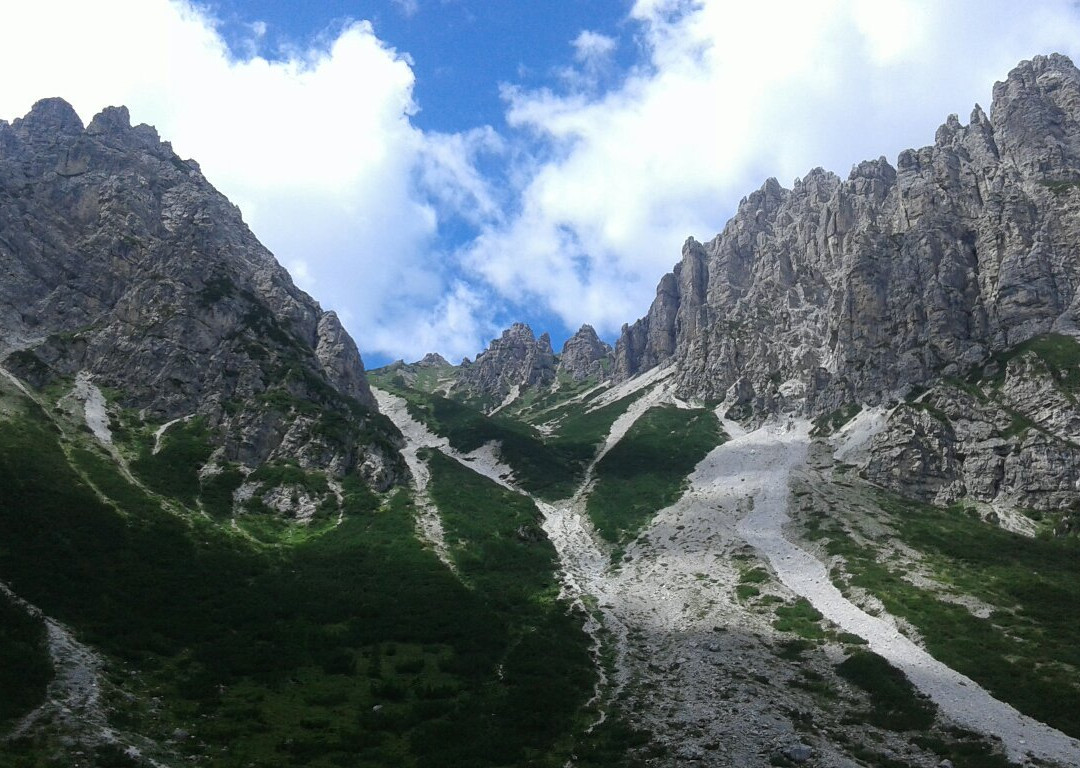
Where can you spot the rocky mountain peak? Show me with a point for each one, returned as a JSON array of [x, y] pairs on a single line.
[[110, 120], [834, 292], [49, 119], [123, 263], [432, 360], [584, 355], [1036, 115], [515, 360]]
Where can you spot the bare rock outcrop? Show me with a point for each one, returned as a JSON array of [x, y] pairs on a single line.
[[585, 356], [1006, 435], [515, 360]]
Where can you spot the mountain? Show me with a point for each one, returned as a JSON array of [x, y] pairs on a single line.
[[210, 552], [124, 266], [585, 356], [822, 501], [516, 371], [514, 361], [819, 507]]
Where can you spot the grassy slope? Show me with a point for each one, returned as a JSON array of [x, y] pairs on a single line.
[[550, 467], [497, 543], [646, 471], [1027, 652], [354, 648]]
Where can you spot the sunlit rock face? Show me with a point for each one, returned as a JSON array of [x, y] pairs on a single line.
[[585, 356], [515, 359], [856, 289]]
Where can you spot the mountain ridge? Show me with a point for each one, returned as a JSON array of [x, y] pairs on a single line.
[[855, 290], [899, 288]]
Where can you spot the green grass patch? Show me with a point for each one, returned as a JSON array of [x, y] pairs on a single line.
[[1060, 354], [550, 467], [646, 471], [754, 576], [746, 591], [217, 491], [174, 470], [1060, 187], [801, 618], [554, 405], [828, 423], [964, 748], [606, 745], [894, 703], [25, 666], [495, 535], [496, 540], [102, 471], [277, 474], [793, 650]]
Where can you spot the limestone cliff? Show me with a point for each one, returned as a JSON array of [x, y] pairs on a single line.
[[839, 290], [514, 361], [584, 355]]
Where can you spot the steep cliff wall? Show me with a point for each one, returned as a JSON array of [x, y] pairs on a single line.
[[856, 290]]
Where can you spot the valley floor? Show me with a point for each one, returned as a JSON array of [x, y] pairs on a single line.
[[706, 672]]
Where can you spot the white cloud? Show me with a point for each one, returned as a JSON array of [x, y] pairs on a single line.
[[730, 94], [318, 149], [594, 58], [592, 47], [457, 325], [449, 173]]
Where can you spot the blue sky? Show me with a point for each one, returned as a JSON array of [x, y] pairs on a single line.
[[460, 51], [434, 170]]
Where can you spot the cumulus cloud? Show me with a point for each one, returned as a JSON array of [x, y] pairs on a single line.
[[728, 94], [317, 148]]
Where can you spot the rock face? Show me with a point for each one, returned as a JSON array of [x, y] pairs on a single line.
[[585, 356], [515, 360], [855, 290], [1010, 437], [121, 260]]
